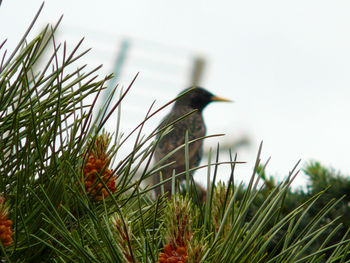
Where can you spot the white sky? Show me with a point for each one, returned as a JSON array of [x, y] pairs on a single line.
[[286, 64]]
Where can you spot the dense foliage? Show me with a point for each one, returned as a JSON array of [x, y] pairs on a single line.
[[66, 196]]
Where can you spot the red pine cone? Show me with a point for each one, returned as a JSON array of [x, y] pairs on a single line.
[[173, 255], [6, 231], [93, 168]]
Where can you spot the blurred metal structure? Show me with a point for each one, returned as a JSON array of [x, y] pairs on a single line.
[[197, 71], [119, 62]]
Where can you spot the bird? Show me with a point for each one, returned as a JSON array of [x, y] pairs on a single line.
[[191, 101]]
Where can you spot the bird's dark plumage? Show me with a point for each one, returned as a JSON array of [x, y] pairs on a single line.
[[195, 99]]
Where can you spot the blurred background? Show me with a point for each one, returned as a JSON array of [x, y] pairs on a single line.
[[285, 64]]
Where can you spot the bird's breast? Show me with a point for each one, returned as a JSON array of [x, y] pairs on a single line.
[[194, 124]]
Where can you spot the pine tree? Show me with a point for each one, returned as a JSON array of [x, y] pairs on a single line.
[[71, 198]]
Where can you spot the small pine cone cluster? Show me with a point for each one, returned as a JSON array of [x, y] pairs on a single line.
[[123, 235], [5, 224], [92, 169], [179, 216], [173, 255], [6, 231], [96, 168]]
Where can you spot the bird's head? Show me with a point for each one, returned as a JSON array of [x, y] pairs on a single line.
[[197, 98]]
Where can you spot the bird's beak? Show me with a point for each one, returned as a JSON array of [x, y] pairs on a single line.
[[215, 98]]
